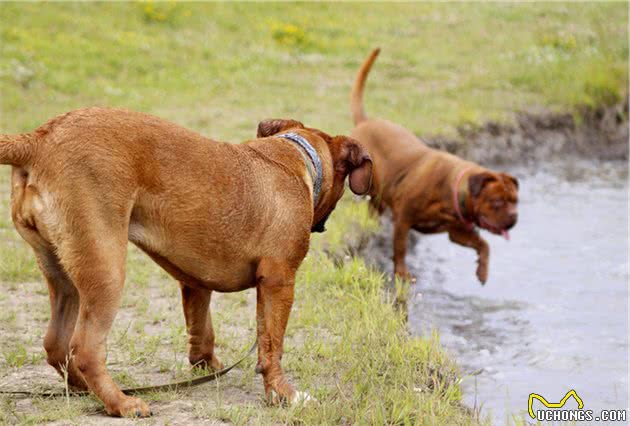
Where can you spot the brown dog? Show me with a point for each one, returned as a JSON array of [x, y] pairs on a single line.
[[429, 190], [216, 216]]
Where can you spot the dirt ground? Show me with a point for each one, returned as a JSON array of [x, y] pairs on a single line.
[[147, 346]]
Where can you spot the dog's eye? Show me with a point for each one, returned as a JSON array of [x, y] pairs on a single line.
[[497, 204]]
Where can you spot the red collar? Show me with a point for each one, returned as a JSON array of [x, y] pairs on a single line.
[[456, 200]]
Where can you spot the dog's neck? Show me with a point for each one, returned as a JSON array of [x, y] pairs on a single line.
[[461, 202], [311, 160]]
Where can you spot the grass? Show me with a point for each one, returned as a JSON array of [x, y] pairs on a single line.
[[219, 69]]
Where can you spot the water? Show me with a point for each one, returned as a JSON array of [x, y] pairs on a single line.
[[553, 315]]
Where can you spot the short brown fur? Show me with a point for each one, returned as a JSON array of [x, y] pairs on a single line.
[[416, 183], [216, 216]]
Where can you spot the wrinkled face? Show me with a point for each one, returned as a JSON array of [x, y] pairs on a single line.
[[495, 197], [349, 158]]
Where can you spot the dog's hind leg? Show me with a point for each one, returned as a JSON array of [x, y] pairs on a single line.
[[64, 308], [196, 303], [64, 298], [94, 256]]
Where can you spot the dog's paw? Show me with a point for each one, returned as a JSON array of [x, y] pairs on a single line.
[[130, 407], [209, 362], [405, 275], [482, 273]]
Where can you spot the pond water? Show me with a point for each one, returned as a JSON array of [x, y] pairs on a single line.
[[553, 315]]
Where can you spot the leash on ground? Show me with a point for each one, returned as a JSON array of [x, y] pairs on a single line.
[[134, 391]]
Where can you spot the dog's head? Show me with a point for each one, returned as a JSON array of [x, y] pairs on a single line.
[[345, 157], [494, 198]]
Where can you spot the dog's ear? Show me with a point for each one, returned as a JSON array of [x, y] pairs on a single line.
[[355, 161], [276, 125], [510, 178], [478, 181]]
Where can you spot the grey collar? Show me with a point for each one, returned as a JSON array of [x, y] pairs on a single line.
[[313, 160]]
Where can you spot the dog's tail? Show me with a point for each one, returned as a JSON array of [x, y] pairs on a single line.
[[16, 150], [356, 101]]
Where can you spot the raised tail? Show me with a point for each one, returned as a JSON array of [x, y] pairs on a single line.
[[16, 150], [356, 100]]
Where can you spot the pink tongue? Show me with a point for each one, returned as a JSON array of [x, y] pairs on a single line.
[[505, 235]]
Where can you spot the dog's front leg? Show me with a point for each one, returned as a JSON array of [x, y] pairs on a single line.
[[274, 297], [401, 232], [472, 239], [196, 303]]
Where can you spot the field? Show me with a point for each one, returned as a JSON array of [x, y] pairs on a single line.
[[221, 68]]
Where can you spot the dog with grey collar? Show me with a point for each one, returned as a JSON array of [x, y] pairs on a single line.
[[216, 216]]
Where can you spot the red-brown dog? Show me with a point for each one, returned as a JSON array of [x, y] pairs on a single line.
[[429, 190], [216, 216]]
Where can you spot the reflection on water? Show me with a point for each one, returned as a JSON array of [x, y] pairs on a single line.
[[554, 313]]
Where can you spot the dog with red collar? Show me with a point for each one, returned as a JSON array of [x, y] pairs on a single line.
[[429, 190]]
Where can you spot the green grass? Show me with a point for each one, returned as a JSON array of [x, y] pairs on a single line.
[[219, 69]]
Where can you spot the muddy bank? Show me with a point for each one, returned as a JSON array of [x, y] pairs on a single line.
[[595, 133]]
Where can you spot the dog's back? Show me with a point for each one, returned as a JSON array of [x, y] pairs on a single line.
[[171, 185]]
